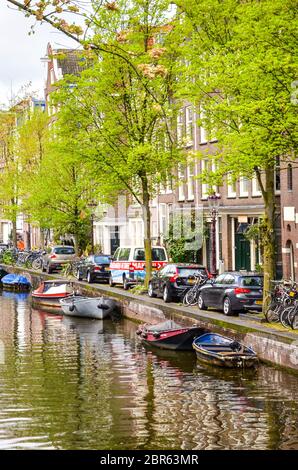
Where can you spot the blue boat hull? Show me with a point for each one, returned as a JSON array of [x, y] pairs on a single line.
[[216, 350]]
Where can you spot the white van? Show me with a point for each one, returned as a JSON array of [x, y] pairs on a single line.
[[128, 264]]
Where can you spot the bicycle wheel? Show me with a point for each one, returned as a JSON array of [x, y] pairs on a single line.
[[272, 313], [37, 264], [191, 297], [294, 323], [285, 315]]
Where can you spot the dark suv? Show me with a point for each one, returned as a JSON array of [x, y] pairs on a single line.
[[174, 280], [233, 292]]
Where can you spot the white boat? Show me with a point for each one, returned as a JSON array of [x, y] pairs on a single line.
[[88, 307]]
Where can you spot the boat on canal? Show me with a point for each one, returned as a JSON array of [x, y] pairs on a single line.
[[87, 307], [169, 335], [215, 349], [50, 292], [16, 282]]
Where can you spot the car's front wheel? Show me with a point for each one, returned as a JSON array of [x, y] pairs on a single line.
[[227, 306], [78, 275], [49, 269], [151, 292], [111, 283], [89, 277]]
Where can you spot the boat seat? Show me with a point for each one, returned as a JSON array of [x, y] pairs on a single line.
[[232, 353]]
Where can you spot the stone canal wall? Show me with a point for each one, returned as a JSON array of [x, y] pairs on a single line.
[[278, 347]]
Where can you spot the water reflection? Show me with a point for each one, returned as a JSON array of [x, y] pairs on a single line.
[[77, 384]]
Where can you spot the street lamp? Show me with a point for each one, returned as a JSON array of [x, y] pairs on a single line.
[[213, 201]]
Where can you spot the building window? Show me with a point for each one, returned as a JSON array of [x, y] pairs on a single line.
[[290, 177], [190, 182], [180, 126], [204, 167], [189, 125], [181, 172], [203, 131], [277, 175], [232, 187], [243, 185], [256, 190], [163, 219]]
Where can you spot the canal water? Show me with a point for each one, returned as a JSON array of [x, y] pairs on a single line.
[[89, 384]]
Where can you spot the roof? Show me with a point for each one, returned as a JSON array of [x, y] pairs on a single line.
[[70, 61]]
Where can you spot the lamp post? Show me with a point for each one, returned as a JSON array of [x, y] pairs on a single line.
[[213, 201]]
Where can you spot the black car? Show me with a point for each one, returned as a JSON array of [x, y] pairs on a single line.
[[174, 280], [94, 267], [233, 292]]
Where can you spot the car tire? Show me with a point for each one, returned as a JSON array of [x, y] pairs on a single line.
[[151, 292], [43, 269], [111, 283], [166, 294], [125, 283], [89, 278], [78, 275], [201, 303], [49, 269], [227, 306]]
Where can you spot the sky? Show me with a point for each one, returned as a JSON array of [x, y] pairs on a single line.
[[20, 53]]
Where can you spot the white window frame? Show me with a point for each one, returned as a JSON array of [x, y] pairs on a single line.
[[190, 181], [180, 127], [189, 119], [232, 188], [181, 179], [204, 186], [203, 131], [242, 192], [256, 190]]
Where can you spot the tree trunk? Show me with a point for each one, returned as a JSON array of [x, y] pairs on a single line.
[[147, 230], [14, 231], [76, 243], [269, 239], [42, 238]]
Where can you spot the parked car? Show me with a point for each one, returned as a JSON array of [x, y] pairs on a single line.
[[233, 292], [4, 246], [94, 267], [128, 264], [174, 280], [57, 257]]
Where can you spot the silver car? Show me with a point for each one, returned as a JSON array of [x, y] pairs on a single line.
[[57, 257]]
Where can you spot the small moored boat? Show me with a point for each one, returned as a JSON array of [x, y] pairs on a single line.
[[16, 282], [218, 350], [169, 335], [88, 307], [49, 293]]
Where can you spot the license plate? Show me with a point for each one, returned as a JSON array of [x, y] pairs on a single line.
[[106, 269], [259, 302], [191, 281], [292, 294]]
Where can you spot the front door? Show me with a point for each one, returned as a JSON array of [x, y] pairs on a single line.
[[242, 252]]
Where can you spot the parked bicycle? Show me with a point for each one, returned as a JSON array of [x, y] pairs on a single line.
[[191, 297], [284, 303]]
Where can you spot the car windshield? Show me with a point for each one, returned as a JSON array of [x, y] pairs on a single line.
[[252, 281], [102, 259], [64, 250], [185, 272], [158, 254]]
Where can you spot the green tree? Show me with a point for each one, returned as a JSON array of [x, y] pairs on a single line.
[[10, 170], [241, 69], [121, 124]]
